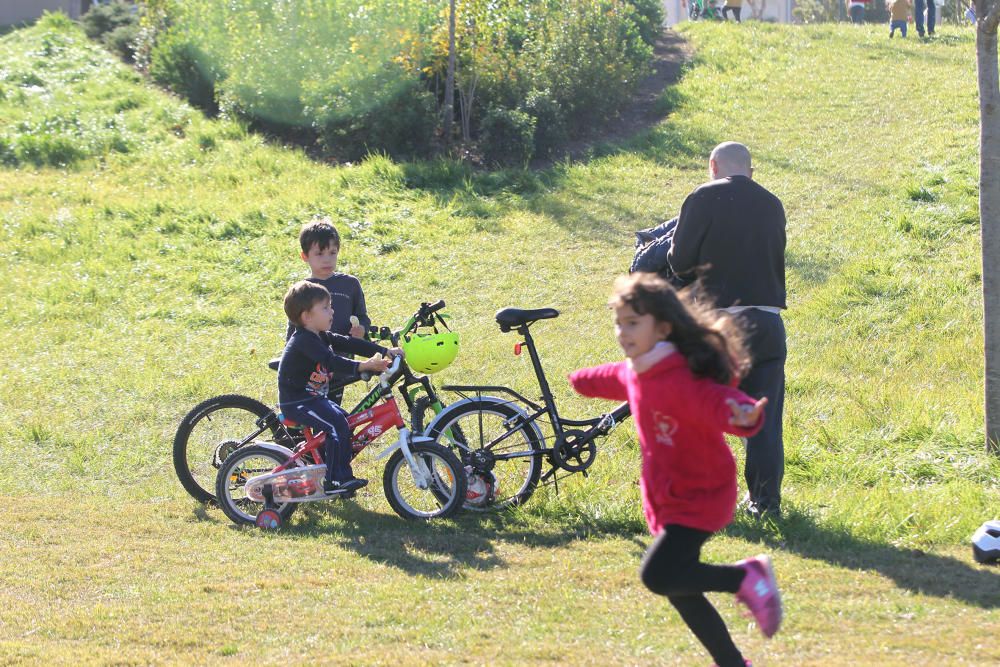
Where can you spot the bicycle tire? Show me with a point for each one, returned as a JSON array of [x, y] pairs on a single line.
[[230, 479], [194, 454], [418, 414], [448, 486], [466, 428]]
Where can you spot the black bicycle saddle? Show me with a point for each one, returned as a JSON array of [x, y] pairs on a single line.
[[508, 318]]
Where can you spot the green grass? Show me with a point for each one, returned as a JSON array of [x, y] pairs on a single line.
[[145, 252]]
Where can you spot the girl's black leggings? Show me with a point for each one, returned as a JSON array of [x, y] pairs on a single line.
[[673, 567]]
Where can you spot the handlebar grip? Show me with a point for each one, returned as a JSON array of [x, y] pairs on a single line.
[[434, 307], [391, 370]]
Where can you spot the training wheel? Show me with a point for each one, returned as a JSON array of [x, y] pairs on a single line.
[[268, 520]]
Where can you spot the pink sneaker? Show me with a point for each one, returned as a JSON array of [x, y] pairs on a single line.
[[759, 592]]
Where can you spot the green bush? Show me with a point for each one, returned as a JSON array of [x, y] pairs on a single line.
[[116, 25], [590, 57], [402, 126], [357, 76], [648, 19], [507, 136], [121, 41], [181, 66], [104, 18], [550, 123], [818, 11]]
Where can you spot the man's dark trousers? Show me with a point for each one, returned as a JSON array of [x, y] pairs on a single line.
[[765, 464], [918, 15]]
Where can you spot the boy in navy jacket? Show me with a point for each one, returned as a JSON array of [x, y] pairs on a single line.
[[304, 373]]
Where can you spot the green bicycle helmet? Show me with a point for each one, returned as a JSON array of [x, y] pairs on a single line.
[[430, 353]]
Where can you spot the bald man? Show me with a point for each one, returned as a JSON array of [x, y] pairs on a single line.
[[731, 235]]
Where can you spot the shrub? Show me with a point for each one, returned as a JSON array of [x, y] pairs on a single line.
[[360, 76], [180, 65], [121, 41], [405, 124], [648, 19], [108, 17], [507, 136], [817, 11], [550, 124], [402, 126], [590, 56]]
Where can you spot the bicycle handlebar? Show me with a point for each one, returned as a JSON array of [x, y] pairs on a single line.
[[388, 374], [423, 317], [432, 307]]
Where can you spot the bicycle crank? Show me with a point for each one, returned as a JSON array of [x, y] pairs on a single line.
[[573, 451]]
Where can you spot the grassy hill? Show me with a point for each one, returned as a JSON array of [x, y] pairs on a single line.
[[146, 249]]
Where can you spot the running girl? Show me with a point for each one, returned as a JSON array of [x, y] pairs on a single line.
[[683, 362]]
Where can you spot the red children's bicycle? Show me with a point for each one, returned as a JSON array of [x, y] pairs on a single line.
[[262, 483]]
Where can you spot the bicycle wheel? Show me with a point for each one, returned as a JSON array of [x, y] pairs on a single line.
[[210, 432], [473, 431], [241, 465], [445, 494], [418, 415]]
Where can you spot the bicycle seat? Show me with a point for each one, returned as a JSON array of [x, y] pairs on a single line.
[[508, 318], [273, 364]]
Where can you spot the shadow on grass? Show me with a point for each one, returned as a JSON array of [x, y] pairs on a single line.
[[442, 549], [912, 569]]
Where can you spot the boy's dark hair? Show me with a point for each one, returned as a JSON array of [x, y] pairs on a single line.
[[302, 296], [710, 340], [320, 231]]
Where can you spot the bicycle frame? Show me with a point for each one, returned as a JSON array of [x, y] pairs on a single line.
[[366, 426], [373, 423], [595, 426]]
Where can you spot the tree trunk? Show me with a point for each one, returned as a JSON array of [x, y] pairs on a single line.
[[988, 13], [449, 82]]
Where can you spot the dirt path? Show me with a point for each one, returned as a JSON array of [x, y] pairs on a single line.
[[669, 55]]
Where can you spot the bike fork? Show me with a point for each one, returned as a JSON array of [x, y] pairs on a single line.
[[421, 475]]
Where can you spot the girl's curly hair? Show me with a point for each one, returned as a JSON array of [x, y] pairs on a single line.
[[710, 340]]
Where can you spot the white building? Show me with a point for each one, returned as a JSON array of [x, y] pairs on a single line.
[[779, 11], [19, 11]]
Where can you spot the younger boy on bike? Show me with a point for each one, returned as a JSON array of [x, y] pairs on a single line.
[[304, 374]]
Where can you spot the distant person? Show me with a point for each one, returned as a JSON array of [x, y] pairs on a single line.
[[856, 10], [307, 364], [734, 6], [918, 16], [970, 13], [320, 244], [731, 236], [899, 13], [682, 360]]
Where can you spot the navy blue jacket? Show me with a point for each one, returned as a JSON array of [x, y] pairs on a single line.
[[309, 360], [347, 299]]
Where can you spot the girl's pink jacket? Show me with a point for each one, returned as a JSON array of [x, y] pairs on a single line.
[[688, 471]]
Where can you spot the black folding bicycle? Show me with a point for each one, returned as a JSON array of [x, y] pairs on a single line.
[[499, 438]]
